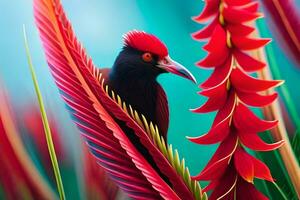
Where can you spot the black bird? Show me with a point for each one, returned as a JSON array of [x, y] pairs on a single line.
[[134, 76]]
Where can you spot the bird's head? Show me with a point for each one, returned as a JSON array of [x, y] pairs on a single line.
[[144, 55]]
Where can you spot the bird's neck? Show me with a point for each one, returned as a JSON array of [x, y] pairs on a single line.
[[137, 89]]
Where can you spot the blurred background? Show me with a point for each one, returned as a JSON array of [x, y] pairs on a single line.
[[99, 25]]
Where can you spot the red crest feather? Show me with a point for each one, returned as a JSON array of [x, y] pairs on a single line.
[[143, 41]]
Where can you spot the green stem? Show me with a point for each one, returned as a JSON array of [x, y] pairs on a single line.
[[47, 130], [280, 191]]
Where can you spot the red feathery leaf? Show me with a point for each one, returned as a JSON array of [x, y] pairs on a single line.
[[95, 112], [69, 63], [99, 184]]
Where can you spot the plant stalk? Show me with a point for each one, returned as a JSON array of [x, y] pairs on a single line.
[[273, 112], [47, 130]]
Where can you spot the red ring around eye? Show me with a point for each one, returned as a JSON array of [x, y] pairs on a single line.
[[147, 57]]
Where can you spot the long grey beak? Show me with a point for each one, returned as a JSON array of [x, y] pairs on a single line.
[[174, 67]]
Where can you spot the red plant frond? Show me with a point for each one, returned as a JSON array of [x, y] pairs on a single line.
[[19, 177], [96, 110], [285, 19], [230, 90], [98, 183]]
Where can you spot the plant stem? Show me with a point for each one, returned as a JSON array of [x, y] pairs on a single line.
[[280, 191], [272, 112], [47, 130]]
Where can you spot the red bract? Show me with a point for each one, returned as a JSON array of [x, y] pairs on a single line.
[[230, 90], [19, 177]]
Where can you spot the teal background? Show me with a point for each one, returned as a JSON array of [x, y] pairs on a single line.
[[99, 25]]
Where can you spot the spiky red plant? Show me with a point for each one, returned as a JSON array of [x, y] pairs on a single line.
[[230, 91]]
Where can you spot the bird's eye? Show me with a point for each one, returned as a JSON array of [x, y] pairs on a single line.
[[147, 57]]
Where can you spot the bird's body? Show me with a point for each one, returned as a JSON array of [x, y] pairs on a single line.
[[134, 78], [140, 90]]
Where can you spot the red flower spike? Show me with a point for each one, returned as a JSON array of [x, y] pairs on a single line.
[[213, 91], [235, 15], [249, 167], [247, 191], [261, 170], [243, 164], [217, 48], [227, 110], [246, 83], [245, 120], [216, 134], [207, 31], [254, 142], [212, 104], [239, 29], [209, 10], [219, 162], [225, 188], [248, 63], [214, 59], [229, 89], [217, 98], [217, 41], [245, 43], [237, 2], [219, 76], [213, 184], [251, 7], [256, 100]]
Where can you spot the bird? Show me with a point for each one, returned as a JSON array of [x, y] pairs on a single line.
[[133, 77], [134, 73]]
